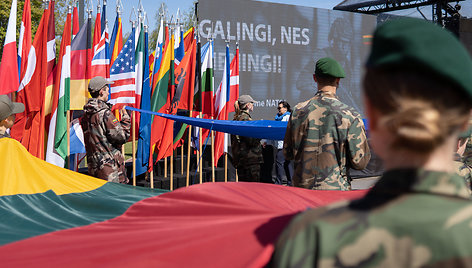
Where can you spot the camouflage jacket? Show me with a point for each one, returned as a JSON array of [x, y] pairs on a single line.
[[325, 138], [463, 170], [410, 218], [246, 150], [104, 135]]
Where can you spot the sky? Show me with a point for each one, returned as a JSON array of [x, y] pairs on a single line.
[[151, 7]]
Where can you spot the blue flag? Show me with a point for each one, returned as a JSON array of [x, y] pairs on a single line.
[[144, 140]]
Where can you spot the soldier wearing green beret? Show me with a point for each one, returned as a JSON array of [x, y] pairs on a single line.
[[325, 137], [418, 97]]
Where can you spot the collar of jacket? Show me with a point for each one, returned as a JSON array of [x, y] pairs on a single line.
[[326, 94], [399, 181]]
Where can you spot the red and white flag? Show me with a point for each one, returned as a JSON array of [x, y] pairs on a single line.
[[225, 97], [24, 43], [9, 65], [33, 87]]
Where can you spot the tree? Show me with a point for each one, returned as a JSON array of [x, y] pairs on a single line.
[[187, 19], [5, 6]]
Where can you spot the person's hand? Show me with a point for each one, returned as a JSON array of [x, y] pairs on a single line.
[[123, 112]]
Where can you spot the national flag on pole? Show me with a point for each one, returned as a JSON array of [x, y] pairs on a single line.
[[142, 154], [116, 39], [204, 98], [75, 21], [165, 146], [100, 62], [104, 17], [189, 35], [9, 78], [233, 93], [184, 80], [221, 97], [139, 67], [160, 99], [57, 139], [158, 55], [179, 45], [123, 74], [81, 58], [33, 86], [24, 42], [23, 51], [51, 69]]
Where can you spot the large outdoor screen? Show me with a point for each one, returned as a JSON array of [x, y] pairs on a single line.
[[279, 45]]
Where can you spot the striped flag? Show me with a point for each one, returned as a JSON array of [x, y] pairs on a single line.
[[204, 98], [142, 154], [158, 55], [160, 100], [9, 64], [123, 74], [81, 58], [139, 67], [116, 40], [57, 140], [221, 97]]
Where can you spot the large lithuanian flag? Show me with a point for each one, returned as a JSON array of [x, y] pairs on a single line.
[[52, 217]]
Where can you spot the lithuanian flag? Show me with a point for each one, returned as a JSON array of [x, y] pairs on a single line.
[[37, 197]]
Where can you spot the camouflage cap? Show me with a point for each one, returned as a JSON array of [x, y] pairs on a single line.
[[329, 67], [243, 99], [97, 83], [420, 45], [7, 107]]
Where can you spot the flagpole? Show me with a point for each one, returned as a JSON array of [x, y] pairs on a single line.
[[68, 139], [226, 167], [165, 167], [201, 152], [182, 160], [172, 170], [134, 146], [151, 177], [212, 156], [188, 151]]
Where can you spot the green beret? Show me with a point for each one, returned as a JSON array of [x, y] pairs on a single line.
[[419, 45], [329, 67]]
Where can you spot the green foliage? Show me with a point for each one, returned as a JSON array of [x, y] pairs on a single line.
[[187, 19], [36, 13]]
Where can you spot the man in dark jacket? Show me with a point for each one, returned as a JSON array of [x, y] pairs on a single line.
[[104, 134]]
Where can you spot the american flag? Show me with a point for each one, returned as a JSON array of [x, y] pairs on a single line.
[[123, 74]]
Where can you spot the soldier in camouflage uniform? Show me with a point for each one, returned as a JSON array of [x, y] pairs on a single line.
[[324, 136], [104, 134], [419, 213], [247, 152], [8, 110]]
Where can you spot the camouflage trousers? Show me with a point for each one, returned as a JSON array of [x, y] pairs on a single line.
[[112, 172], [251, 173]]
